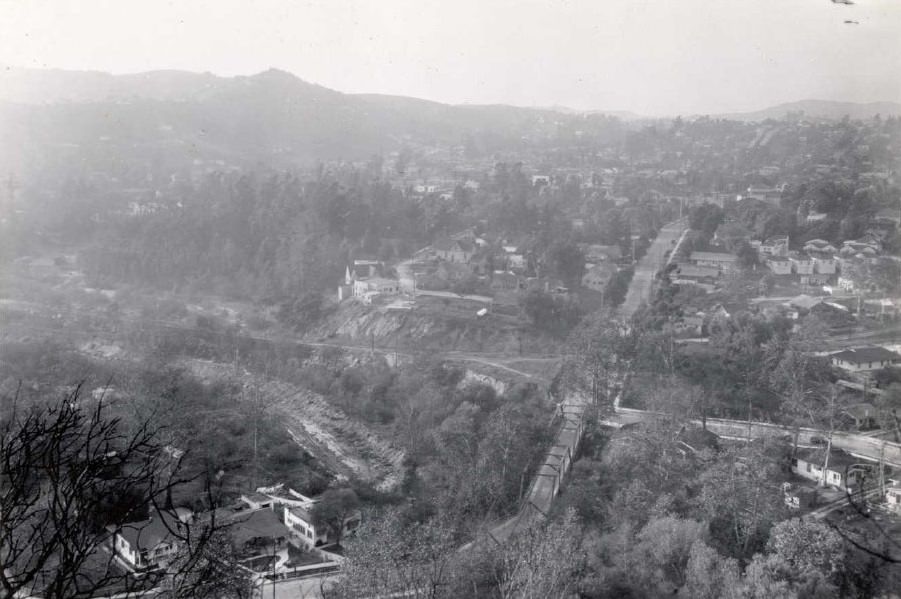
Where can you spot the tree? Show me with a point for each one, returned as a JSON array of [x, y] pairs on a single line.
[[804, 558], [706, 218], [741, 499], [69, 477], [334, 508], [747, 255], [665, 543], [544, 561], [598, 355], [796, 372], [808, 546], [392, 557], [568, 263], [708, 575]]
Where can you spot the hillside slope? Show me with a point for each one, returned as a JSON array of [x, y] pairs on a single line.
[[432, 325]]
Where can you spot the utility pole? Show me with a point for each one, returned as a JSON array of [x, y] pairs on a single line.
[[256, 426]]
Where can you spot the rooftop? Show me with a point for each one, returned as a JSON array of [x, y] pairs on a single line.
[[256, 524], [866, 354], [838, 459], [715, 256], [147, 534]]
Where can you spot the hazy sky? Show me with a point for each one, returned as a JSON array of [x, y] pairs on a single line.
[[651, 57]]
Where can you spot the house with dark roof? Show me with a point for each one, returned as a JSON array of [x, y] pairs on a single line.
[[843, 470], [718, 260], [862, 415], [454, 250], [865, 359], [257, 532], [774, 246], [597, 276], [152, 543]]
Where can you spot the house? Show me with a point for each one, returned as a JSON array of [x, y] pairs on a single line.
[[847, 283], [689, 326], [454, 250], [256, 533], [815, 217], [862, 415], [719, 260], [770, 195], [814, 280], [598, 276], [780, 265], [801, 263], [365, 267], [516, 261], [453, 271], [774, 246], [692, 440], [364, 288], [843, 470], [696, 272], [299, 520], [867, 246], [824, 263], [889, 216], [704, 277], [865, 359], [152, 543], [504, 281], [819, 246], [893, 498], [257, 501]]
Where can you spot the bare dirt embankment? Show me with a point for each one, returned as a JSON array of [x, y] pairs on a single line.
[[345, 446], [436, 324]]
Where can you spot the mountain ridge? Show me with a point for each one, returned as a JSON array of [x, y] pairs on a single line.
[[50, 86]]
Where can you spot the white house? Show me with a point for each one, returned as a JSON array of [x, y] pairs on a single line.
[[300, 521], [802, 264], [843, 470], [378, 285], [774, 246], [865, 359], [150, 544], [819, 245], [824, 264], [893, 498], [719, 260], [780, 265], [770, 195]]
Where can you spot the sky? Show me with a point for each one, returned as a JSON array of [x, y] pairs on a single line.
[[660, 57]]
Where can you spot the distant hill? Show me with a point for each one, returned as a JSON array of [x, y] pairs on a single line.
[[266, 116], [820, 109], [97, 119]]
